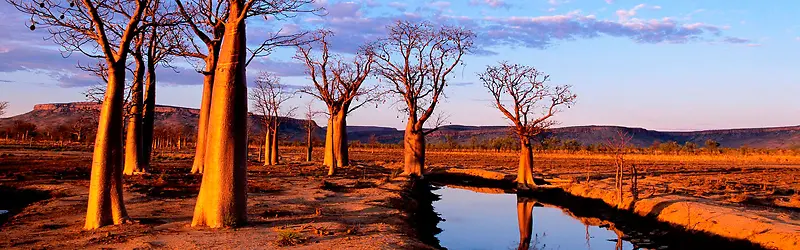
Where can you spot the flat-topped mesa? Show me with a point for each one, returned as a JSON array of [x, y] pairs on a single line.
[[67, 107], [93, 106]]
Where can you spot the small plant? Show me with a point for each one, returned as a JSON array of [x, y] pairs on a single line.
[[290, 238]]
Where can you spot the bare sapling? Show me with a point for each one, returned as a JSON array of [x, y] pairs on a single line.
[[269, 99], [618, 146]]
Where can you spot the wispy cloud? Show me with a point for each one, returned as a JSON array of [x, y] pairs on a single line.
[[491, 3]]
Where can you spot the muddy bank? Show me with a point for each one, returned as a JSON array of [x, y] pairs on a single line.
[[681, 222], [770, 229]]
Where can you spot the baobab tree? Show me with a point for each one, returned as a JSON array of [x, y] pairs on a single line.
[[416, 59], [338, 83], [110, 27], [133, 138], [223, 191], [522, 95], [207, 21], [269, 97]]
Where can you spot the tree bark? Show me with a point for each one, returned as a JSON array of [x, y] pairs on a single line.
[[525, 219], [148, 116], [223, 192], [133, 142], [274, 153], [106, 205], [205, 108], [525, 171], [336, 142], [267, 144], [414, 151]]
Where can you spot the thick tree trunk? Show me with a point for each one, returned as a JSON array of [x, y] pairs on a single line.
[[133, 142], [336, 142], [414, 151], [267, 144], [274, 153], [148, 116], [223, 192], [525, 171], [106, 205], [205, 108], [525, 219]]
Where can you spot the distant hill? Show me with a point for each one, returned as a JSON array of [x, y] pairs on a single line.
[[51, 117], [66, 116]]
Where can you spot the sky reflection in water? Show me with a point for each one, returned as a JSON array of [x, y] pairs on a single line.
[[490, 221]]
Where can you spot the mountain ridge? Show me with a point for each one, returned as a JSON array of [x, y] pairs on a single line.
[[53, 115]]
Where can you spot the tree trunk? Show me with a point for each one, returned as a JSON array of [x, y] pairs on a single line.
[[148, 116], [205, 108], [414, 151], [336, 142], [310, 141], [106, 205], [267, 144], [223, 192], [133, 142], [525, 219], [525, 172], [274, 153]]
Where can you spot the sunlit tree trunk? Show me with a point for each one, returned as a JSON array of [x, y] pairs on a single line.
[[267, 144], [223, 193], [336, 142], [414, 150], [525, 171], [148, 116], [274, 153], [106, 205], [133, 141], [525, 219], [205, 108]]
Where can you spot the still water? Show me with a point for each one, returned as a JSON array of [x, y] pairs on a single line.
[[474, 220]]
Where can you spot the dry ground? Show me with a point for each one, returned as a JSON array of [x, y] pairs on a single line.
[[759, 181], [288, 205], [353, 210]]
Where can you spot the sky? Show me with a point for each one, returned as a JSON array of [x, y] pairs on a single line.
[[664, 65]]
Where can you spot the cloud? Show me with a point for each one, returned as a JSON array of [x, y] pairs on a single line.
[[494, 4], [627, 14], [398, 5], [440, 4], [736, 40], [557, 2], [610, 1]]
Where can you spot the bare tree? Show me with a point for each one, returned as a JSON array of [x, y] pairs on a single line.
[[310, 126], [338, 83], [89, 27], [269, 97], [417, 58], [133, 137], [618, 146], [522, 95], [207, 21], [3, 107], [223, 192]]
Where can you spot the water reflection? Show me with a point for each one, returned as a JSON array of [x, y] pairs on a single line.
[[525, 218], [475, 220]]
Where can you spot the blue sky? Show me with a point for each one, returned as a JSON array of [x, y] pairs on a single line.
[[668, 65]]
